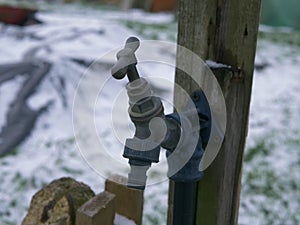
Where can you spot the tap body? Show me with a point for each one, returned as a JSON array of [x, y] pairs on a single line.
[[154, 129]]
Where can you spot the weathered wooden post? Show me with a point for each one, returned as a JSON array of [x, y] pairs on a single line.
[[130, 202], [99, 210], [224, 31], [116, 199]]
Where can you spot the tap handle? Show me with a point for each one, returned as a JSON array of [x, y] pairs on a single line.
[[133, 43], [127, 61]]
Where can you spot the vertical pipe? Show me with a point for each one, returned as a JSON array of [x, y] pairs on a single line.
[[185, 195]]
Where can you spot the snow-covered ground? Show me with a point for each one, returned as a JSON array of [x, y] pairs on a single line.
[[70, 40], [271, 178]]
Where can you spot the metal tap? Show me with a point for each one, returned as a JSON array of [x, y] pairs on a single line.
[[154, 129]]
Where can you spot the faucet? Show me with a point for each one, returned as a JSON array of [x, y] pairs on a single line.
[[154, 129]]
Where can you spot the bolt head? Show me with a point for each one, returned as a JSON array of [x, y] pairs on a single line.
[[143, 106]]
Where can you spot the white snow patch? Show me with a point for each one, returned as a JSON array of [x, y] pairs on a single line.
[[213, 64], [266, 28], [122, 220]]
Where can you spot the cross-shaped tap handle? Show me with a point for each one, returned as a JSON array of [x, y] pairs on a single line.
[[127, 61]]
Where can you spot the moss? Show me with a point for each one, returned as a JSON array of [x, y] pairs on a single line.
[[62, 197]]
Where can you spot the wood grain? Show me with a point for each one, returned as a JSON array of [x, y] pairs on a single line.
[[224, 31]]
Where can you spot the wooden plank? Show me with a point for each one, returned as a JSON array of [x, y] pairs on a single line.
[[224, 31], [129, 202], [99, 210]]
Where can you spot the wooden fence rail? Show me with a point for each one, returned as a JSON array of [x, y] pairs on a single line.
[[116, 199]]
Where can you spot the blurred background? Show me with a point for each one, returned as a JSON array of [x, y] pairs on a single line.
[[47, 46]]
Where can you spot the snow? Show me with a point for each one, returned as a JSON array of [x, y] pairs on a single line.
[[270, 180], [266, 28], [121, 220], [213, 64], [51, 150]]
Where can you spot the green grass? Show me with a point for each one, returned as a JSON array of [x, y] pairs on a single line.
[[260, 149], [168, 31], [161, 31], [272, 190], [291, 38]]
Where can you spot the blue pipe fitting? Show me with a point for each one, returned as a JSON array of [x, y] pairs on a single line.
[[190, 171]]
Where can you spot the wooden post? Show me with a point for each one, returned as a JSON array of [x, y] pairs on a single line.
[[224, 31], [129, 202], [99, 210]]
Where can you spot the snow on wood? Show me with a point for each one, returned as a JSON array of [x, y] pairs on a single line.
[[215, 65]]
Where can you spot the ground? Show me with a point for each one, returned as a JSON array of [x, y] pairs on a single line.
[[70, 39]]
